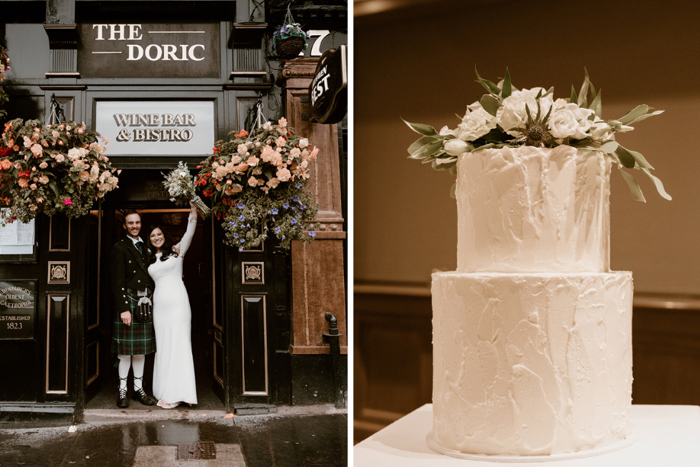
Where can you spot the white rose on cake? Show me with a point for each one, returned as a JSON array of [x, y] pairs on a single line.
[[513, 114], [570, 121], [476, 123]]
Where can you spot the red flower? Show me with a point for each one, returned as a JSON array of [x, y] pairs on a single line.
[[5, 152], [207, 193]]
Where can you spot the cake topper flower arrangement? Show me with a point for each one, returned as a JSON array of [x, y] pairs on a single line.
[[52, 169], [257, 186], [509, 117]]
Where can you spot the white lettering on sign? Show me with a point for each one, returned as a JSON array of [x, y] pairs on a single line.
[[152, 52], [320, 84], [155, 134]]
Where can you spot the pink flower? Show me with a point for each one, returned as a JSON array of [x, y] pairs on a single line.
[[313, 154], [43, 179], [33, 186], [284, 174], [36, 149], [252, 181], [280, 142], [84, 175], [267, 153], [282, 122], [55, 134], [252, 161], [43, 165], [68, 202], [273, 182]]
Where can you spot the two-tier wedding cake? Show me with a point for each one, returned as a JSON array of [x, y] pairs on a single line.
[[532, 345]]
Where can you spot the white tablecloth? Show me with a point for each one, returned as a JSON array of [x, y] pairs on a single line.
[[669, 437]]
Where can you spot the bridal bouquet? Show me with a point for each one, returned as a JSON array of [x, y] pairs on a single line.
[[180, 186], [509, 117], [257, 186], [52, 169]]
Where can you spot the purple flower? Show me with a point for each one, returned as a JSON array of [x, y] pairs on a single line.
[[296, 198], [241, 218], [312, 234], [302, 207], [242, 241], [285, 205], [235, 235], [297, 186], [277, 230], [294, 221], [240, 205], [232, 224], [275, 211], [240, 248]]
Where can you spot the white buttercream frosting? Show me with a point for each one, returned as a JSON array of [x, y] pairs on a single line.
[[530, 209], [531, 364]]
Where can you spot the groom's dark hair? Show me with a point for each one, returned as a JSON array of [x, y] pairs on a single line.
[[129, 212]]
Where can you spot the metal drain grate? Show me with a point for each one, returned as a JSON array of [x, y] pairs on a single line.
[[198, 450]]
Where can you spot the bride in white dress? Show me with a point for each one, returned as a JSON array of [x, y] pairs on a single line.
[[173, 371]]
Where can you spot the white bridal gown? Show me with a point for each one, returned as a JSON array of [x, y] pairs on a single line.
[[173, 371]]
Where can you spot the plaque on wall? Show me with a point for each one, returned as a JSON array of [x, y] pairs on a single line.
[[17, 309], [253, 272], [156, 128], [149, 50], [59, 272]]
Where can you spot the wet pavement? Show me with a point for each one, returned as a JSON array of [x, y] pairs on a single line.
[[312, 436]]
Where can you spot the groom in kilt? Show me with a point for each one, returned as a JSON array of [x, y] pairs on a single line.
[[132, 340]]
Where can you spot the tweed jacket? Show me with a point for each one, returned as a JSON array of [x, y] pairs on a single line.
[[128, 271]]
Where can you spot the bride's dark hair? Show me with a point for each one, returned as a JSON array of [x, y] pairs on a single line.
[[167, 247]]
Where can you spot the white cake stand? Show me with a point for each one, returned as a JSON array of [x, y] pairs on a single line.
[[622, 444]]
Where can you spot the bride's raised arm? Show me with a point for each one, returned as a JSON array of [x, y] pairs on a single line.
[[181, 248]]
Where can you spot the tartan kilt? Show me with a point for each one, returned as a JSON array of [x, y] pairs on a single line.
[[137, 339]]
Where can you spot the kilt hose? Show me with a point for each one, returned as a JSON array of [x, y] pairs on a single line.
[[137, 339]]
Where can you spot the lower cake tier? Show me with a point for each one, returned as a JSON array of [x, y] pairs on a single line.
[[531, 364]]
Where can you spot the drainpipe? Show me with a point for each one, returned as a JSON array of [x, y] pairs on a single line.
[[332, 337]]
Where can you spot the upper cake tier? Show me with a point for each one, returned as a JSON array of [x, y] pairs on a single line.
[[530, 209]]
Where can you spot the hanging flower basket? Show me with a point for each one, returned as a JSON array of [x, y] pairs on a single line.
[[290, 47], [52, 169], [289, 39], [256, 183]]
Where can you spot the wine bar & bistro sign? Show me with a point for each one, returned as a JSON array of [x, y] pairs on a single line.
[[156, 127]]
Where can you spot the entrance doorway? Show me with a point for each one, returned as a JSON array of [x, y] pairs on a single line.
[[198, 275]]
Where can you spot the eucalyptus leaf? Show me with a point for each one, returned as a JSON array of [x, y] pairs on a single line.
[[633, 114], [574, 98], [658, 184], [626, 159], [54, 188], [645, 116], [427, 150], [507, 90], [609, 146], [420, 143], [425, 130], [634, 186], [641, 161], [488, 85], [597, 105], [583, 93], [490, 104]]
